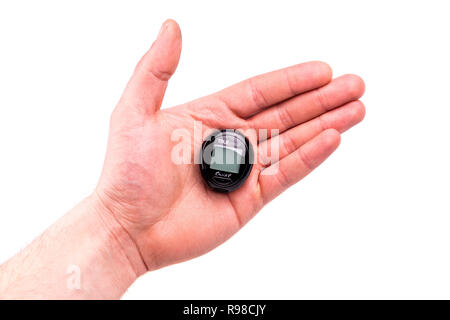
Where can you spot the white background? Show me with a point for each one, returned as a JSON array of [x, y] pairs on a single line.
[[371, 222]]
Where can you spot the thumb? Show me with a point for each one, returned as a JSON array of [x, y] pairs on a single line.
[[148, 84]]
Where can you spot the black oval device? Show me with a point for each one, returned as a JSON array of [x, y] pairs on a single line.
[[226, 160]]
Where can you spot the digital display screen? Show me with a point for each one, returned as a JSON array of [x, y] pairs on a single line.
[[225, 159]]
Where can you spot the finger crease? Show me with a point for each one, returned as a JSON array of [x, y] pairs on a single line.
[[285, 117], [289, 144], [282, 178], [321, 101], [305, 159], [238, 217], [289, 84], [161, 75], [322, 123], [257, 96]]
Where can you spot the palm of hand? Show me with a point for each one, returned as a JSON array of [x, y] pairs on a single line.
[[166, 207]]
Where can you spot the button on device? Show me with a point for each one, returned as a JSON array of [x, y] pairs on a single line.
[[226, 160]]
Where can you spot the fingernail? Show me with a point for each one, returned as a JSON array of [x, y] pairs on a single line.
[[162, 29]]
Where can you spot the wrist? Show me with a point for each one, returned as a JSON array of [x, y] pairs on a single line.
[[118, 238], [87, 256]]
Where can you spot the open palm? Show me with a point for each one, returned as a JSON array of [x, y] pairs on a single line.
[[165, 206]]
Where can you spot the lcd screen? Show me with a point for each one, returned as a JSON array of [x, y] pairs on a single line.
[[225, 159]]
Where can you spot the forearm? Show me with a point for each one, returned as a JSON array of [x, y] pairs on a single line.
[[84, 255]]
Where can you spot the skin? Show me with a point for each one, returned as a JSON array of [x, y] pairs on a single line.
[[148, 212]]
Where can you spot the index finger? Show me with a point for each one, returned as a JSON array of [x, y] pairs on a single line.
[[255, 94]]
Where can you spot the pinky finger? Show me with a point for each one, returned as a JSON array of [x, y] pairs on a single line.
[[276, 178]]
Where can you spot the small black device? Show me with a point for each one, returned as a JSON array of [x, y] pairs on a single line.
[[226, 160]]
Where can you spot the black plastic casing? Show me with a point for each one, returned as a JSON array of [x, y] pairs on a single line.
[[223, 181]]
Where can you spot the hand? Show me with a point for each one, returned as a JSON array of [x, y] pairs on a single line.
[[165, 207]]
